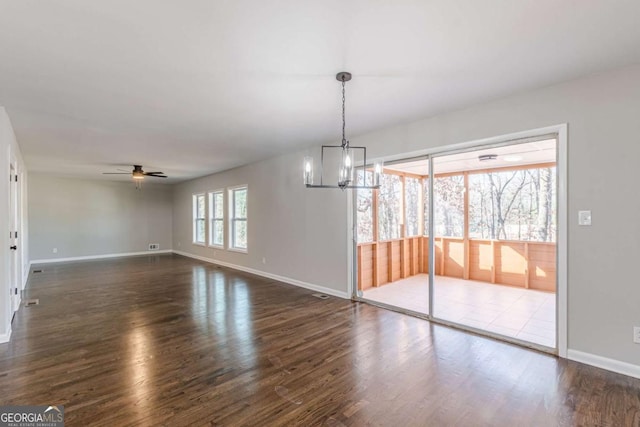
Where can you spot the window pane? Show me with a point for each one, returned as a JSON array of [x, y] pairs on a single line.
[[218, 205], [240, 203], [364, 210], [389, 200], [240, 234], [200, 230], [412, 205], [449, 206], [218, 232], [513, 205], [201, 208]]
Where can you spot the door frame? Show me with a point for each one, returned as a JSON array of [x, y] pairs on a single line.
[[561, 130]]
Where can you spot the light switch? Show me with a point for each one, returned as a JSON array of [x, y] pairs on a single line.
[[584, 217]]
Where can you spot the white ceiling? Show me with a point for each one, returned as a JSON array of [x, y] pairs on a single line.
[[194, 87]]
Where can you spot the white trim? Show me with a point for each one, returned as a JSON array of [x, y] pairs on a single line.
[[352, 247], [6, 337], [238, 250], [478, 143], [88, 257], [211, 219], [194, 210], [288, 280], [562, 239], [612, 365], [237, 187], [231, 202]]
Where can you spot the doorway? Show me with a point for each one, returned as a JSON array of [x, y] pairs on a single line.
[[493, 252]]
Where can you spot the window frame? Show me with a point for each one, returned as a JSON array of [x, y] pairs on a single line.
[[233, 219], [195, 219], [211, 218]]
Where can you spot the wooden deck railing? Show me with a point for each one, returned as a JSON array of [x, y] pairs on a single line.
[[530, 265]]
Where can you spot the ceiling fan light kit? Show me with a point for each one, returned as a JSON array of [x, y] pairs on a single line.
[[138, 175], [347, 158]]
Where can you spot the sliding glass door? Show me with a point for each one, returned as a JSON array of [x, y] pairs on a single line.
[[392, 262], [466, 238], [495, 240]]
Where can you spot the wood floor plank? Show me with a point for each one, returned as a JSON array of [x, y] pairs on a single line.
[[168, 340]]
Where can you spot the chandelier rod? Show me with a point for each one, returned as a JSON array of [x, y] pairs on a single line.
[[344, 139]]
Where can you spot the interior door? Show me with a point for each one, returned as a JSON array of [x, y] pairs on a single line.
[[13, 237]]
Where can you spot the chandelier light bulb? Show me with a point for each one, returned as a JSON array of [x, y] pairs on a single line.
[[308, 170]]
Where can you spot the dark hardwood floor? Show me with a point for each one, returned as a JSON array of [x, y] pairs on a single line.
[[167, 340]]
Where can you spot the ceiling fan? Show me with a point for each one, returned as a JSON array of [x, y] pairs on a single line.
[[137, 173]]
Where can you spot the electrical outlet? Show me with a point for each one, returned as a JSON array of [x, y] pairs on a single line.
[[154, 246], [636, 334], [55, 250], [264, 260]]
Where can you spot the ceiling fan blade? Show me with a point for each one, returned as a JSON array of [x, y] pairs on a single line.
[[156, 176], [154, 173], [116, 173]]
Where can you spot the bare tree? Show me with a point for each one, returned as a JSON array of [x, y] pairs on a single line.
[[545, 204], [504, 200]]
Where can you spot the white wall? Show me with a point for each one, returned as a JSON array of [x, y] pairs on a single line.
[[10, 153], [82, 217], [303, 232], [300, 233], [603, 152]]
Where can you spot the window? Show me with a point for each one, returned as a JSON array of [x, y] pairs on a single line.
[[199, 218], [389, 207], [216, 219], [238, 221]]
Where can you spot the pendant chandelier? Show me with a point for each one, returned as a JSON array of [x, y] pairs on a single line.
[[345, 157]]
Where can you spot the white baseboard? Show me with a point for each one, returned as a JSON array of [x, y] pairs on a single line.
[[604, 363], [89, 257], [6, 336], [283, 279]]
